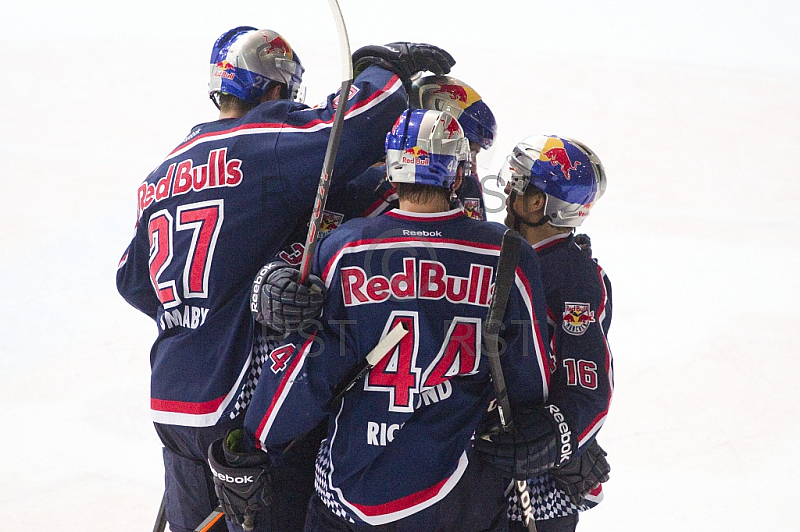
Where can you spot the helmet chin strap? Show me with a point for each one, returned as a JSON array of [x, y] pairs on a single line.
[[519, 220]]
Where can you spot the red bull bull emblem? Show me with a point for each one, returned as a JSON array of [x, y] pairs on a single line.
[[455, 92], [452, 128], [576, 318], [225, 69], [415, 155], [278, 45], [558, 157]]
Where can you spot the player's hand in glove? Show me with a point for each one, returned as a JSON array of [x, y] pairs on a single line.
[[541, 439], [280, 302], [404, 59], [241, 479], [583, 473], [583, 241]]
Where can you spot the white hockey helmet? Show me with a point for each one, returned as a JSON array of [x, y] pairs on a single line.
[[567, 171], [245, 60]]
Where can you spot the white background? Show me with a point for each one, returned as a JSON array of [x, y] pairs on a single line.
[[691, 105]]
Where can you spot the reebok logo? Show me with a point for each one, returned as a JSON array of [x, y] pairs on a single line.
[[256, 289], [246, 479], [407, 232], [525, 501], [565, 434]]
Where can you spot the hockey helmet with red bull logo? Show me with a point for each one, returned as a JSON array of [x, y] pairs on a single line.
[[446, 93], [245, 60], [425, 148], [567, 171]]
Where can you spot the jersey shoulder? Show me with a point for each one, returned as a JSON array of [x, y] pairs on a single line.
[[571, 274]]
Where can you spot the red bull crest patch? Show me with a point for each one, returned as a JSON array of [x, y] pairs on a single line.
[[350, 96], [472, 208], [415, 155], [577, 317], [330, 221]]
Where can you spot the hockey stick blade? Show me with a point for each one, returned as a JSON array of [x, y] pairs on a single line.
[[384, 347], [333, 144]]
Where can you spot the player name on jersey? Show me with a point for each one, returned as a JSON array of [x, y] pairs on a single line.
[[420, 279], [218, 172]]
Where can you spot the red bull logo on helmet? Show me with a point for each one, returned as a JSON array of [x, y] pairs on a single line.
[[455, 92], [225, 69], [279, 45], [555, 152], [415, 155], [452, 129]]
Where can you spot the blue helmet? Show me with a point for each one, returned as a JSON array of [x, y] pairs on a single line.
[[245, 60], [425, 147], [567, 171], [446, 93]]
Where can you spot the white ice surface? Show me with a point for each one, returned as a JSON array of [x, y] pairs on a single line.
[[692, 105]]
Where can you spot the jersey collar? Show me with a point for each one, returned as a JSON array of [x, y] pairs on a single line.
[[426, 216], [551, 241]]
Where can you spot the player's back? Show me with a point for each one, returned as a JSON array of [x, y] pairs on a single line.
[[433, 273], [211, 214]]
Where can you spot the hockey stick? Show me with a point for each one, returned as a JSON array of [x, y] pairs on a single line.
[[378, 353], [324, 180], [333, 144], [506, 272], [161, 518], [384, 347], [211, 520]]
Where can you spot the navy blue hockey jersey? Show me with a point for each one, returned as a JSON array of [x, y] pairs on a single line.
[[212, 213], [433, 273], [582, 381], [370, 195]]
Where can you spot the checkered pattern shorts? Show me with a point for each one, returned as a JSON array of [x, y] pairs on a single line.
[[547, 500], [321, 471], [263, 344]]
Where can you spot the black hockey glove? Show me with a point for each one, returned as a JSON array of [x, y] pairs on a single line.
[[541, 439], [280, 302], [583, 473], [241, 479], [404, 59], [584, 242]]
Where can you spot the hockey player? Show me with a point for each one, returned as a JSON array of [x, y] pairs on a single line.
[[215, 210], [428, 269], [552, 183], [446, 93]]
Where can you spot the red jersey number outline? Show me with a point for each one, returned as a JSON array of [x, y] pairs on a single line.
[[398, 373], [205, 220]]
